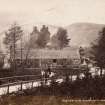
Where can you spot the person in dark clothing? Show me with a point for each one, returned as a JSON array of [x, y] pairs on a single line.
[[48, 71]]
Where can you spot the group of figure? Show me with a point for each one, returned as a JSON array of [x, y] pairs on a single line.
[[46, 74]]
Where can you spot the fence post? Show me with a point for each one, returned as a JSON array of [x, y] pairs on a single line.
[[32, 84], [8, 89], [21, 86]]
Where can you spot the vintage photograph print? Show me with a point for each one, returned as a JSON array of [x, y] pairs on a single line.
[[52, 52]]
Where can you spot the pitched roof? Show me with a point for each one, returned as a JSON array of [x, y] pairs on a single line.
[[49, 54]]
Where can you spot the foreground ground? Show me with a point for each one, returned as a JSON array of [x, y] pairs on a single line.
[[43, 100]]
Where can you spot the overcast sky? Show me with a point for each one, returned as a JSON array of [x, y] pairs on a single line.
[[55, 12]]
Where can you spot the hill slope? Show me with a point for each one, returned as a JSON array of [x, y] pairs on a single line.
[[83, 33]]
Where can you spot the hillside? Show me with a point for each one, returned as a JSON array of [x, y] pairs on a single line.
[[83, 33]]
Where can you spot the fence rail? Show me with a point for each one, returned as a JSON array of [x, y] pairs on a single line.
[[13, 77], [21, 85]]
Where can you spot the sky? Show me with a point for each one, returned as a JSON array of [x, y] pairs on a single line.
[[54, 12]]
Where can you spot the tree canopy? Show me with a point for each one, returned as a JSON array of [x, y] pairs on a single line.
[[13, 35], [60, 39], [34, 37], [99, 49], [44, 37]]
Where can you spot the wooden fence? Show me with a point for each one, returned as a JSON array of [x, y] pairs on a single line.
[[21, 84]]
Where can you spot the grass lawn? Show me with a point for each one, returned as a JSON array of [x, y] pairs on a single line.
[[42, 100]]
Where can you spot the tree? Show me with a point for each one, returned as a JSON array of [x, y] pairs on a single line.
[[32, 41], [44, 37], [12, 36], [60, 39], [54, 42], [34, 37], [99, 50]]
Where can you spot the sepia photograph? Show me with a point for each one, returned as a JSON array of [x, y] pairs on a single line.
[[52, 52]]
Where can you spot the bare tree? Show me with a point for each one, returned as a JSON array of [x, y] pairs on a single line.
[[12, 36]]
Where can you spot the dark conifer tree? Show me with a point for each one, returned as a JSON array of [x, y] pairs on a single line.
[[99, 50], [44, 37]]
